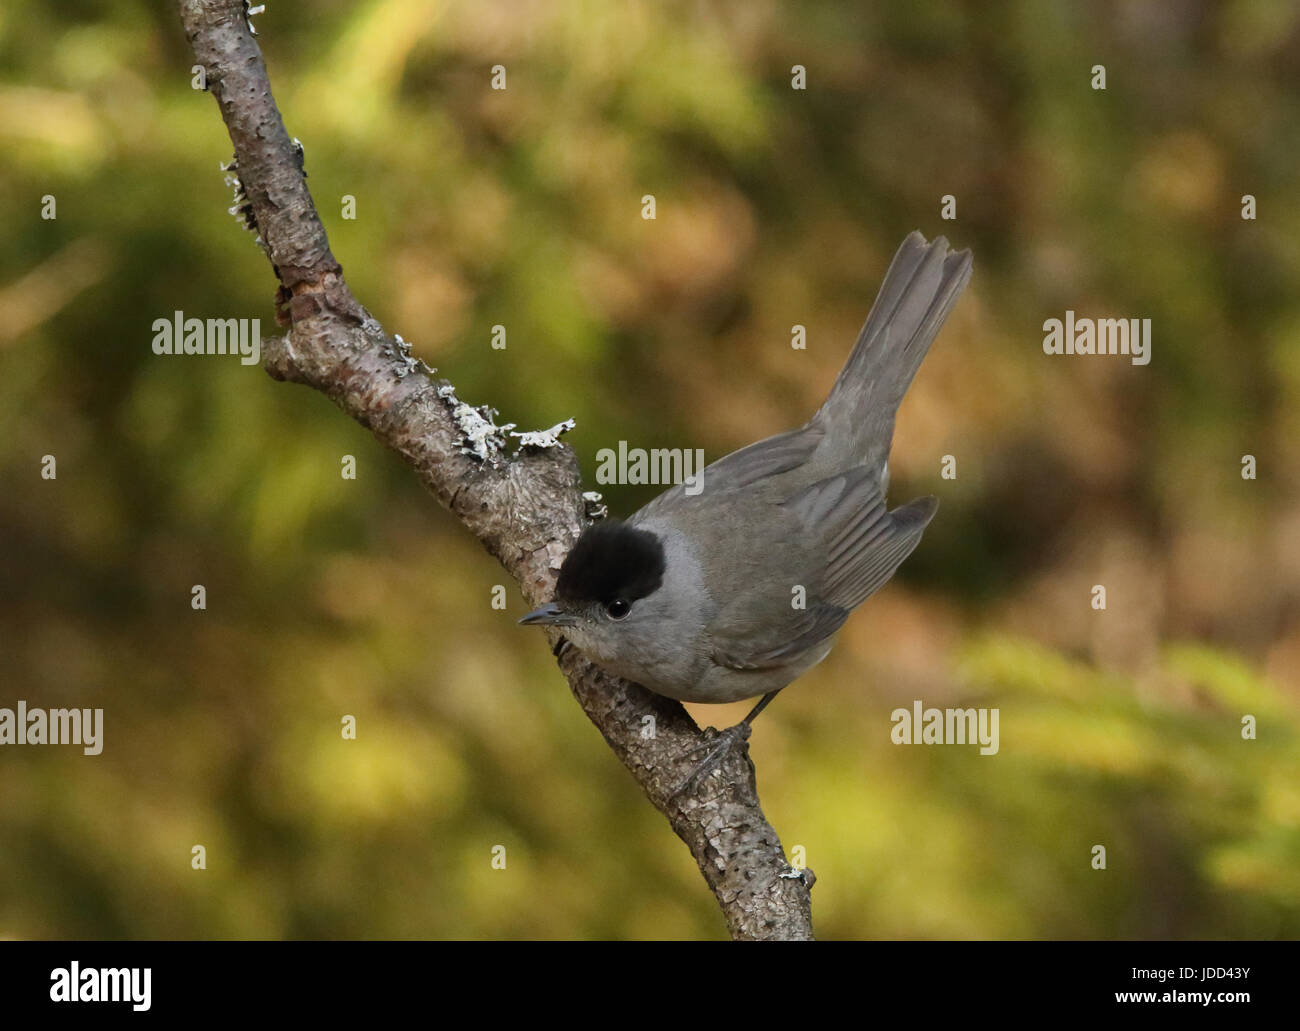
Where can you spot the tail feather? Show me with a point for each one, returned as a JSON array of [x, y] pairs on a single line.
[[922, 285]]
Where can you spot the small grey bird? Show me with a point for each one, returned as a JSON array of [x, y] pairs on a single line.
[[735, 591]]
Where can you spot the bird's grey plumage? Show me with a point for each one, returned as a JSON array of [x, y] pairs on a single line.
[[799, 516]]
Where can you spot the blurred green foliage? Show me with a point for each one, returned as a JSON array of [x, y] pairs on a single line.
[[775, 207]]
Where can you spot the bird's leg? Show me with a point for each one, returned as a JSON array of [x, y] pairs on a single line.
[[726, 741]]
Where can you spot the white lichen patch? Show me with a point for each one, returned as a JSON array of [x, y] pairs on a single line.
[[594, 504], [407, 363], [480, 435], [544, 438]]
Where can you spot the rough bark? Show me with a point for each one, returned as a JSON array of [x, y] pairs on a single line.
[[525, 504]]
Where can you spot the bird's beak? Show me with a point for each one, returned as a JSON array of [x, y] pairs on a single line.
[[549, 614]]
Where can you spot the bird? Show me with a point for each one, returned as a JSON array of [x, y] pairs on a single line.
[[735, 590]]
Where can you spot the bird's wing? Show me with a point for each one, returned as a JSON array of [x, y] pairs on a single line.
[[749, 641], [864, 542], [742, 469], [839, 537]]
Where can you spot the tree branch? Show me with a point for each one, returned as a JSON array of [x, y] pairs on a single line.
[[526, 507]]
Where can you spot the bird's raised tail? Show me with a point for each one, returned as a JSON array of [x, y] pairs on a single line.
[[922, 284]]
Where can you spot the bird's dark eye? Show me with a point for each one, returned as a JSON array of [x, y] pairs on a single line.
[[618, 608]]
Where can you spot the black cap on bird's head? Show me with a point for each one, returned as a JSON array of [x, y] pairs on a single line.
[[612, 565], [611, 560]]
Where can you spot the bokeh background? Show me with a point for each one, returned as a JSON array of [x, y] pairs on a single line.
[[328, 596]]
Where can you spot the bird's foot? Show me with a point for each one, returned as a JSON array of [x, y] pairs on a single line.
[[719, 748]]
